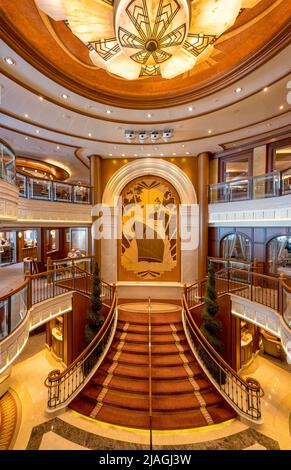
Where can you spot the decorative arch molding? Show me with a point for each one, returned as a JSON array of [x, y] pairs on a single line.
[[185, 189], [150, 166]]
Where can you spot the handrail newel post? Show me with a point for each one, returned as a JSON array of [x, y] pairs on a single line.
[[29, 289]]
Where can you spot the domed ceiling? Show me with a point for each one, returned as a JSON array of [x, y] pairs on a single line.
[[148, 41]]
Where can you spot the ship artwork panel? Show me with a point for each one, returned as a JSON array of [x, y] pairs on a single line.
[[149, 248]]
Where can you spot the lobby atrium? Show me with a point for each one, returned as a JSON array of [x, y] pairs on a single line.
[[145, 225]]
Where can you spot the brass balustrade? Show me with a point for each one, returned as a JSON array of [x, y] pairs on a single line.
[[244, 395], [63, 386], [150, 377]]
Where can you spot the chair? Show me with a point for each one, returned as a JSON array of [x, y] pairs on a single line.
[[272, 345]]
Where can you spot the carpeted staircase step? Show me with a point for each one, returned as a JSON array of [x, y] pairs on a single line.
[[143, 348], [132, 401], [139, 385], [161, 373], [156, 318], [143, 359], [156, 338], [162, 421], [144, 329]]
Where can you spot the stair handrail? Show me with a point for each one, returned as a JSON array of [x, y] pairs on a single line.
[[243, 395], [64, 386], [150, 377]]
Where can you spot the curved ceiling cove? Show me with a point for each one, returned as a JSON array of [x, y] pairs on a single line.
[[178, 50]]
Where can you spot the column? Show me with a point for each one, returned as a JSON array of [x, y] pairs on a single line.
[[95, 179], [203, 181]]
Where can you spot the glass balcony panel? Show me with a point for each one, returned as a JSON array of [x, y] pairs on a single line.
[[82, 195], [286, 181], [18, 308], [4, 312], [266, 186], [239, 190], [40, 189], [62, 192], [287, 306], [21, 182], [218, 193], [7, 164]]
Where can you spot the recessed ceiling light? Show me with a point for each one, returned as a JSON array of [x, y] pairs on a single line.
[[64, 96], [115, 148], [108, 111], [149, 115], [26, 115], [161, 154], [265, 89], [58, 147], [281, 107], [210, 131], [190, 109], [135, 155], [9, 60], [89, 134], [238, 89], [173, 154], [183, 146], [123, 154], [187, 153], [37, 131], [148, 155], [26, 138], [40, 98], [110, 154]]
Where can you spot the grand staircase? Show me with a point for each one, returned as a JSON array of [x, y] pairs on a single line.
[[182, 396]]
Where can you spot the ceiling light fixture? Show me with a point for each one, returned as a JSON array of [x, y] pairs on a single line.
[[108, 111], [26, 138], [238, 89], [9, 61], [134, 39], [89, 134], [281, 107], [26, 116], [210, 131], [265, 89], [190, 109], [187, 153], [37, 131], [40, 98], [64, 96], [58, 147], [149, 115]]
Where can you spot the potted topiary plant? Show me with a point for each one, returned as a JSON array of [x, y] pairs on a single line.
[[95, 318], [212, 327]]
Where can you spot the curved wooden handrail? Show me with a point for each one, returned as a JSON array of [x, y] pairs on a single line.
[[98, 338], [14, 291]]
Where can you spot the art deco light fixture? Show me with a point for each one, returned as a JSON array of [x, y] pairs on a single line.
[[137, 38]]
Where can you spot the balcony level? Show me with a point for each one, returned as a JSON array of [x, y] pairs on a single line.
[[263, 200]]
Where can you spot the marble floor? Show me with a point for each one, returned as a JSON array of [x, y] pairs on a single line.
[[72, 431], [11, 277]]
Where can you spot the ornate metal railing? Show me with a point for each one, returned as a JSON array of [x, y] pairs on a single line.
[[243, 395], [37, 288], [269, 185], [64, 386]]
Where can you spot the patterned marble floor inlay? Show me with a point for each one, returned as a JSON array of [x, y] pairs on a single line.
[[57, 434]]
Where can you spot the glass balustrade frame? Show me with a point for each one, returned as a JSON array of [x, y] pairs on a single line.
[[257, 187], [54, 191]]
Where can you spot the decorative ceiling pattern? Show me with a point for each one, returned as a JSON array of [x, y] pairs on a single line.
[[52, 48], [168, 35]]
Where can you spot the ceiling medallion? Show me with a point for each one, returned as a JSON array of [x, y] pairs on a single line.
[[138, 38]]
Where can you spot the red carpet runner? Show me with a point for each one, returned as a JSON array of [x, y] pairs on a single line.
[[182, 398]]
